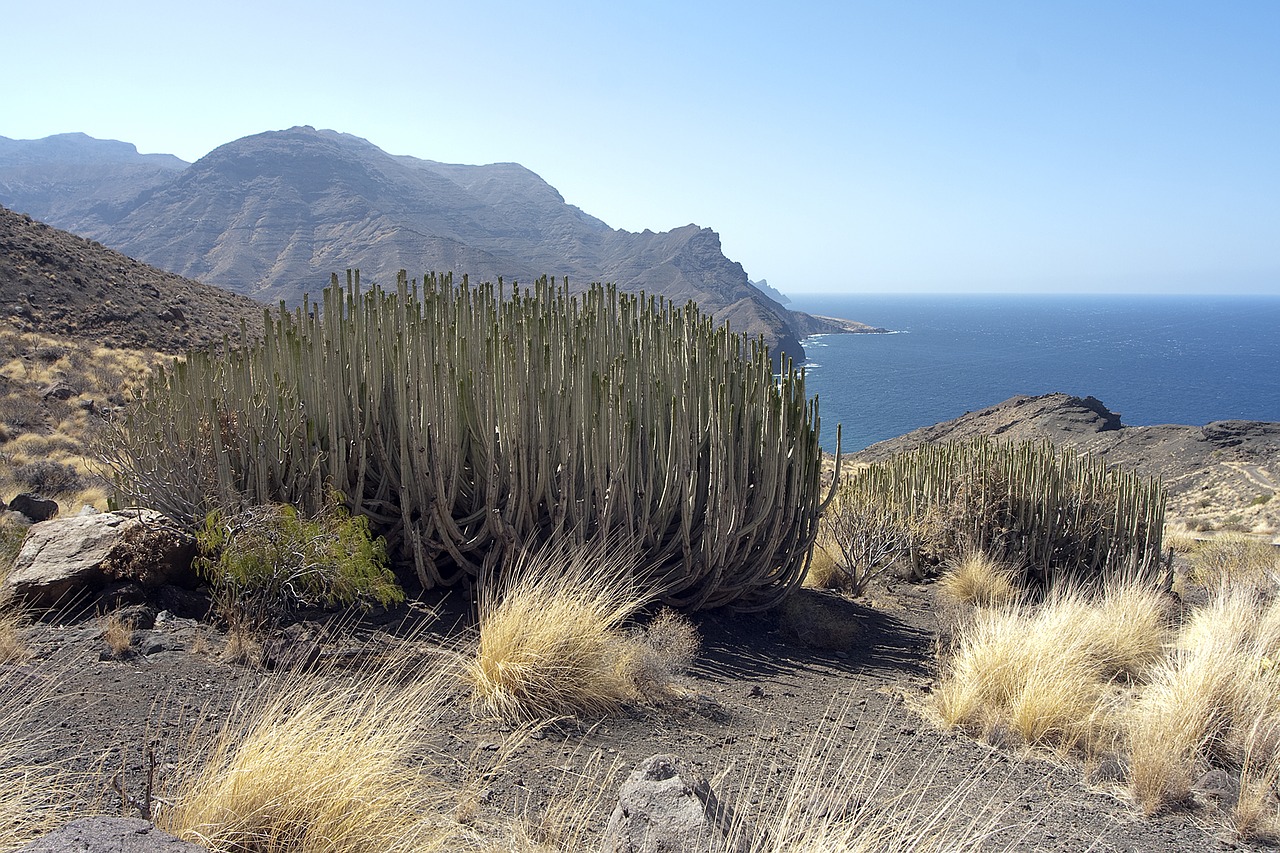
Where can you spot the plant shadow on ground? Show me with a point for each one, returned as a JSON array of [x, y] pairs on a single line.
[[756, 646]]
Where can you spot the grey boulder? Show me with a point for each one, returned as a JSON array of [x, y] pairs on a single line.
[[64, 557], [666, 807]]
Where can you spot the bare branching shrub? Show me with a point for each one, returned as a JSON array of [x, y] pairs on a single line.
[[865, 537]]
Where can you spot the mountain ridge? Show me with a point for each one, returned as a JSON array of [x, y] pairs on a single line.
[[273, 214]]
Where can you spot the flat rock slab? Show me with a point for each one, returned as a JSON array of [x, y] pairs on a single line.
[[110, 835]]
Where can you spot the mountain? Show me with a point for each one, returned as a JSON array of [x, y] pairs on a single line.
[[772, 292], [272, 215], [56, 283], [75, 181]]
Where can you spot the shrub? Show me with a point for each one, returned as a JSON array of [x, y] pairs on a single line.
[[467, 423], [974, 578], [1234, 559], [1058, 515], [866, 535], [49, 478], [265, 561]]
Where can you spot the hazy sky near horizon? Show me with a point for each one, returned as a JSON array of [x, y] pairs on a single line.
[[835, 146]]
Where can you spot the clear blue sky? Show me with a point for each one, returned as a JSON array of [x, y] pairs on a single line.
[[1125, 145]]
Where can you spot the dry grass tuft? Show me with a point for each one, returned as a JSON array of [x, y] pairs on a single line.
[[118, 633], [1213, 702], [324, 766], [1046, 672], [13, 646], [843, 793], [662, 651], [824, 569], [1181, 539], [36, 792], [554, 638], [975, 578]]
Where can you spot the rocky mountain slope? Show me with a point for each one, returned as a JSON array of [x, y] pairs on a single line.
[[272, 215], [1225, 471], [56, 283]]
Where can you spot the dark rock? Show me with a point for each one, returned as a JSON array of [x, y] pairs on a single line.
[[115, 596], [664, 805], [34, 507], [185, 603], [1217, 786], [157, 642], [102, 834], [140, 616]]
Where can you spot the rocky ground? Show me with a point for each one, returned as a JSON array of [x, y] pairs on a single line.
[[55, 283], [851, 674]]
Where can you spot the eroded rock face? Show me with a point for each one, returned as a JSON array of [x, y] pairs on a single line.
[[103, 834], [665, 807], [64, 557]]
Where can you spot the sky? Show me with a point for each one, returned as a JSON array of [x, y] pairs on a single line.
[[840, 147]]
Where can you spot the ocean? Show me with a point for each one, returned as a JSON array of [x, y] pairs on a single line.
[[1152, 359]]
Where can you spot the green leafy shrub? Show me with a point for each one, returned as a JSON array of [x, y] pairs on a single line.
[[1055, 514], [266, 561]]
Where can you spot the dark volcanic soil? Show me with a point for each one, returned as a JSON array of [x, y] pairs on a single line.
[[756, 691], [56, 283]]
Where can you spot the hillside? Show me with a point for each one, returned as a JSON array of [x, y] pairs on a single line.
[[272, 215], [55, 283], [1224, 472]]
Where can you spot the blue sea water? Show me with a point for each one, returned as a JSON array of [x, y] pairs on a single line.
[[1153, 359]]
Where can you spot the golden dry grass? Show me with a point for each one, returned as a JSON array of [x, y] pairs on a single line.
[[46, 445], [1122, 674], [1213, 702], [36, 792], [1045, 671], [117, 633], [554, 637], [824, 569], [975, 578], [323, 765]]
